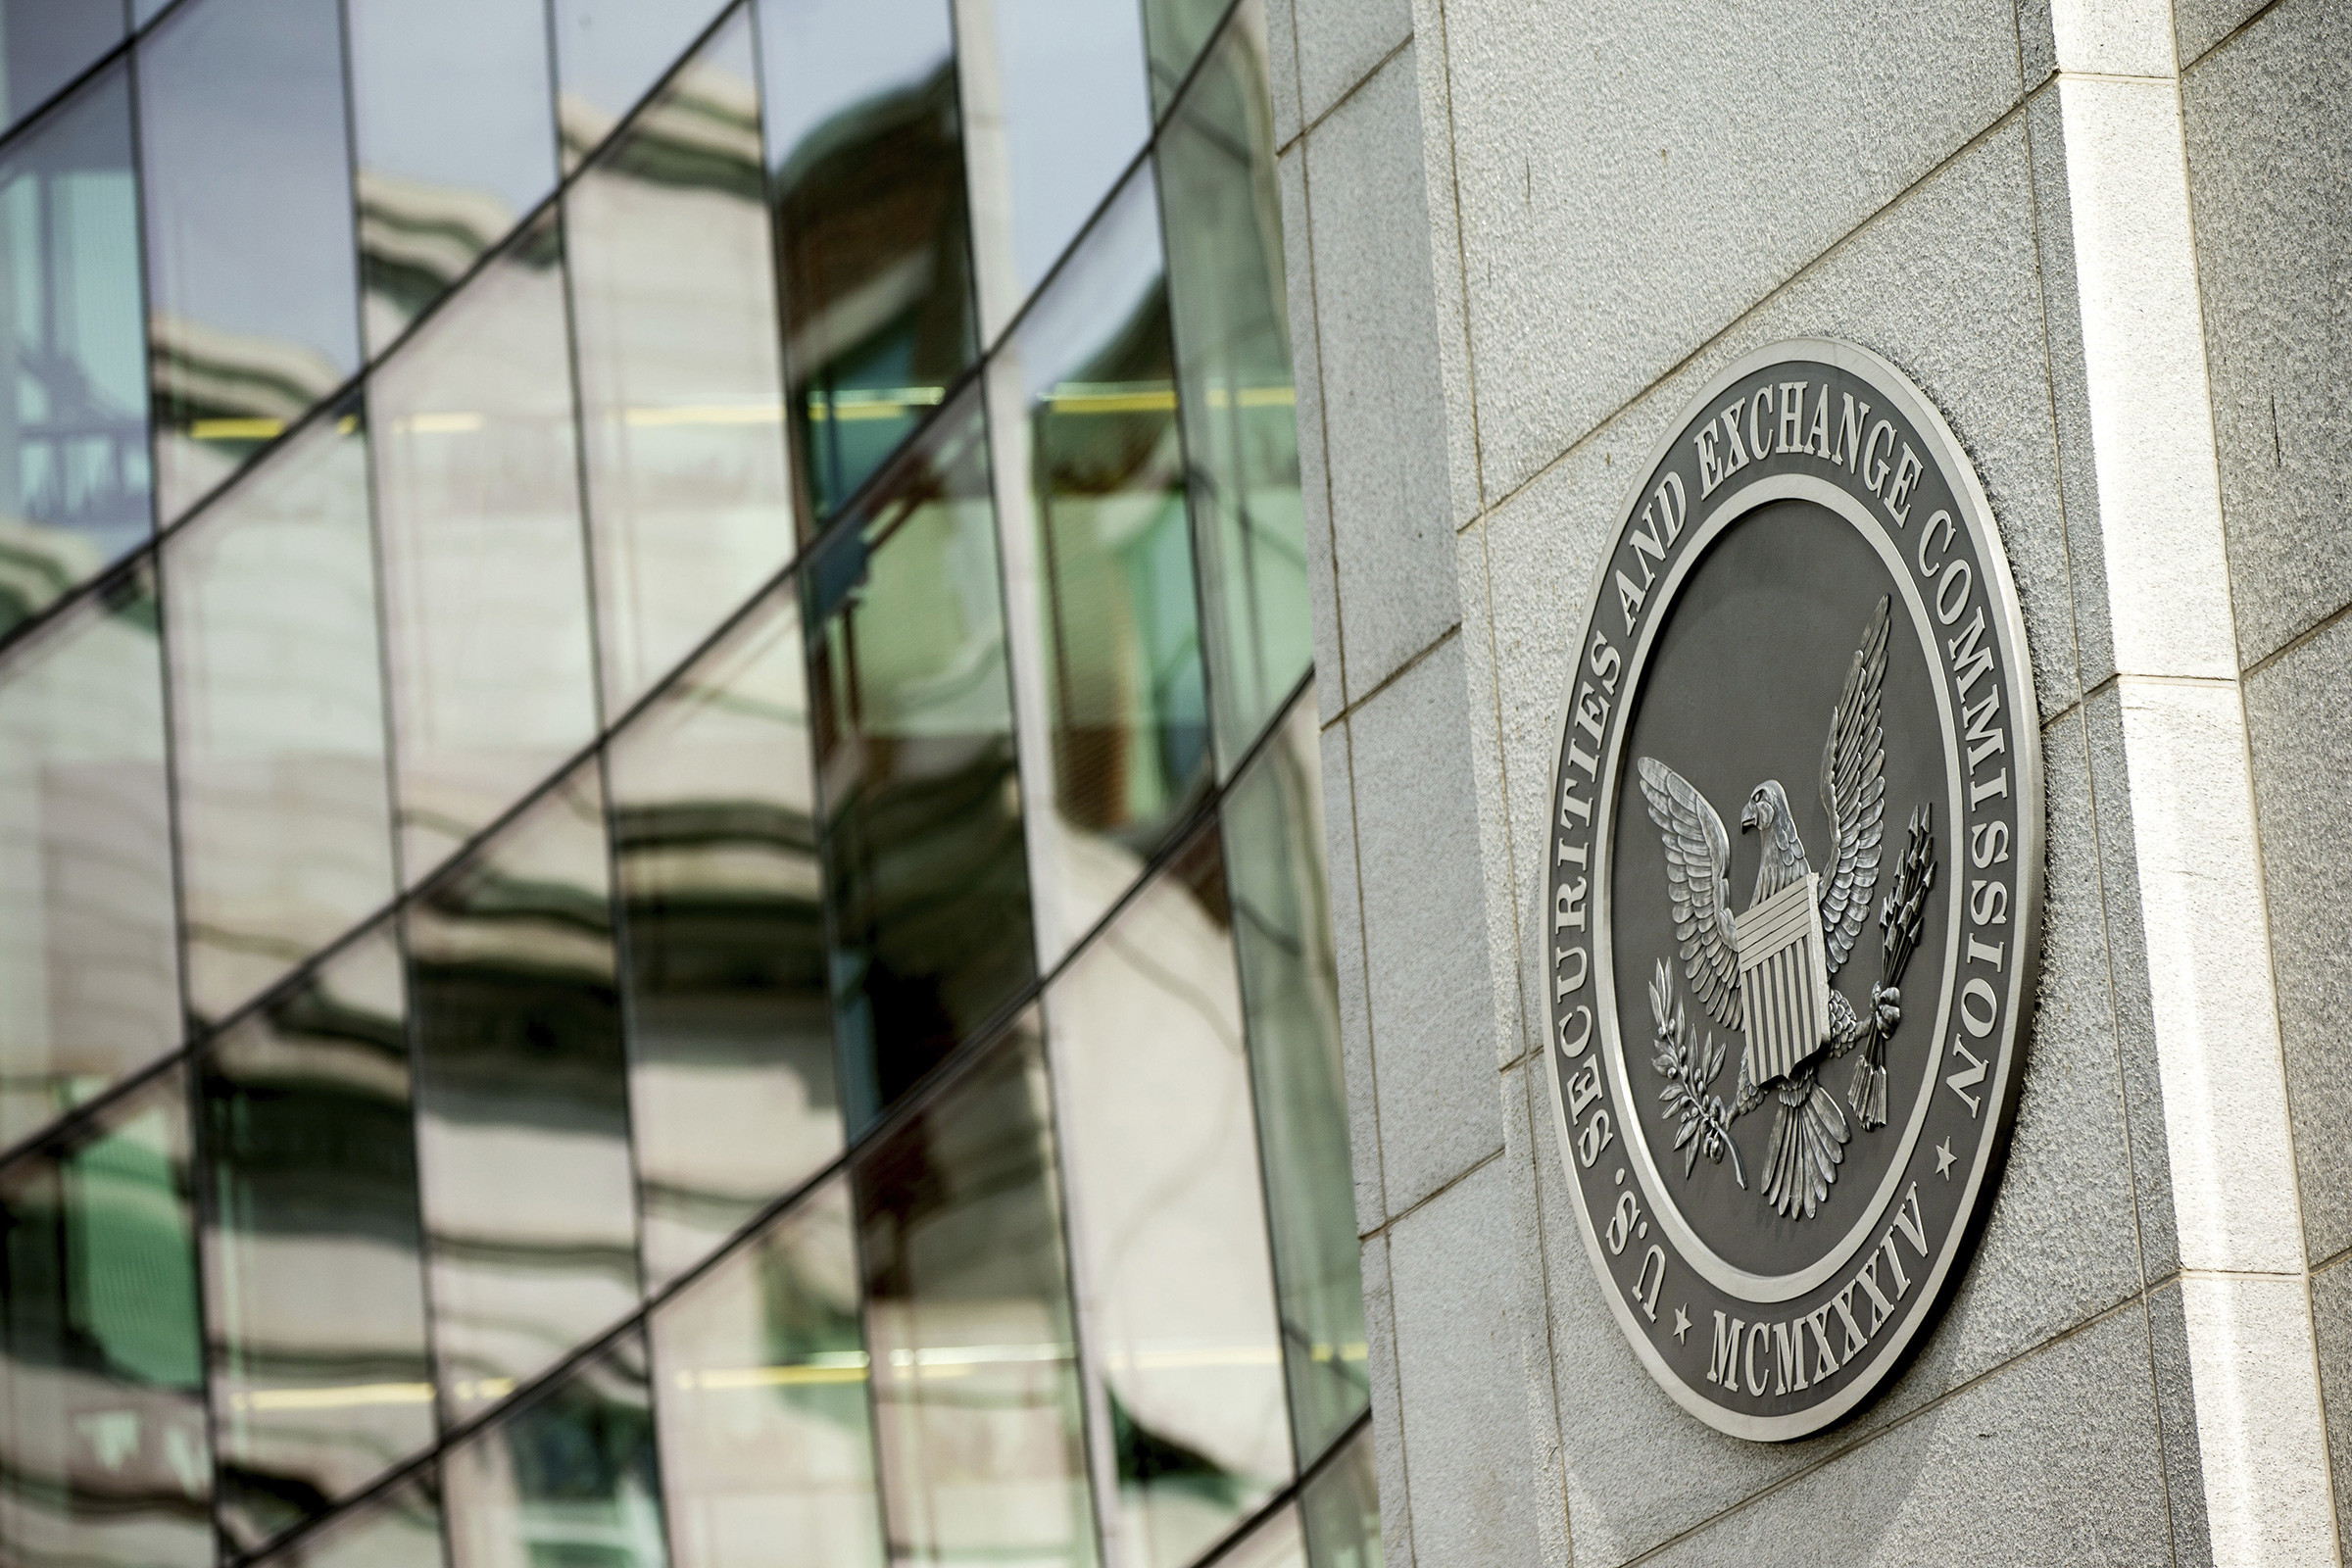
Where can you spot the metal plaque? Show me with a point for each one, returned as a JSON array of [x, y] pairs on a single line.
[[1791, 919]]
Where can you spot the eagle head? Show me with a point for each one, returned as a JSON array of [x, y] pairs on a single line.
[[1767, 814]]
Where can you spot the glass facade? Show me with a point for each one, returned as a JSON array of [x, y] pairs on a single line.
[[661, 867]]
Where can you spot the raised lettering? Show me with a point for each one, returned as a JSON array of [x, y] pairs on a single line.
[[1856, 1342], [1570, 806], [1674, 503], [1727, 1351], [1568, 961], [1987, 902], [1979, 953], [1566, 901], [1960, 1083], [1907, 469], [1988, 843], [1757, 440], [1607, 661], [1980, 737], [1927, 537], [1730, 435], [1894, 1266], [1629, 600], [1576, 1048], [1881, 1308], [1825, 1359], [1595, 1138], [1876, 469], [1756, 1381], [1908, 1220], [1572, 853], [1976, 990], [1972, 660], [1788, 1357], [1591, 709], [1989, 789], [1648, 542], [1578, 756], [1622, 1223], [1709, 475], [1792, 417], [1848, 450], [1952, 590], [1649, 1304], [1584, 1087], [1817, 437]]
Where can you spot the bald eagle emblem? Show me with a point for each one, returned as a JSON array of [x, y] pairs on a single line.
[[1767, 974]]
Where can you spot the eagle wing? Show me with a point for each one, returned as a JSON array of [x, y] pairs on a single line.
[[1697, 854], [1853, 791]]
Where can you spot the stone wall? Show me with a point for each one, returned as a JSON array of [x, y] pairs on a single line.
[[2112, 243]]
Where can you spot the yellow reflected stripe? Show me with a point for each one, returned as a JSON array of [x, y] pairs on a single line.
[[706, 414], [770, 1377], [236, 430], [894, 403], [1253, 397], [1155, 400], [333, 1398]]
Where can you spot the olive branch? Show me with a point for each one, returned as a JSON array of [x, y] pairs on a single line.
[[1901, 915], [1690, 1072]]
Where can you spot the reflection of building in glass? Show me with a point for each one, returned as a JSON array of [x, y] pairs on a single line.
[[662, 899]]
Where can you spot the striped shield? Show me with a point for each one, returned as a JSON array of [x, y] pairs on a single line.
[[1783, 979]]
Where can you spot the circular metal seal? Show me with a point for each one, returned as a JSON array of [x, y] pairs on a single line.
[[1789, 924]]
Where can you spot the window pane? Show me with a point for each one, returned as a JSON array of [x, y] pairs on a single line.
[[45, 44], [1170, 1227], [1282, 928], [400, 1530], [610, 53], [866, 145], [1233, 351], [673, 286], [1056, 108], [320, 1378], [921, 792], [252, 314], [732, 1086], [976, 1399], [1175, 30], [523, 1101], [285, 813], [767, 1439], [566, 1479], [102, 1446], [86, 933], [1341, 1504], [455, 139], [1118, 628], [73, 465], [485, 584], [1279, 1543]]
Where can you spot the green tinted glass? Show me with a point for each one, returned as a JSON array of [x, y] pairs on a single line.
[[1233, 352], [103, 1457], [1170, 1225], [1282, 927], [87, 951], [912, 717], [567, 1480], [1341, 1504], [320, 1377], [277, 709], [766, 1437], [522, 1099], [673, 291], [1119, 627], [732, 1088], [976, 1390], [866, 152], [1174, 31], [400, 1529]]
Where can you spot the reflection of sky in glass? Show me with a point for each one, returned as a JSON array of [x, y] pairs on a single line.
[[409, 72], [248, 182], [1097, 294], [864, 56], [610, 52], [1072, 74]]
